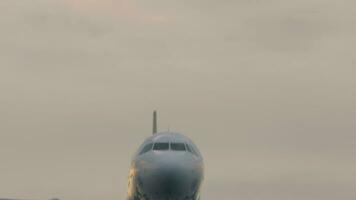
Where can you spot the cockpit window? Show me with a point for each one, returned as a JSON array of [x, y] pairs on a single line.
[[161, 146], [147, 148], [188, 148], [191, 150], [177, 146]]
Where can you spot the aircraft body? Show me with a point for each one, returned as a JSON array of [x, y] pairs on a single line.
[[167, 166]]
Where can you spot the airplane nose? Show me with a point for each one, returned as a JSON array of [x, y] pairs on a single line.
[[168, 181]]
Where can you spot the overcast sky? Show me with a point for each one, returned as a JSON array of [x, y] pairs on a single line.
[[266, 89]]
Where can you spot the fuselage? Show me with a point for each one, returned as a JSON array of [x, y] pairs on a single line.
[[167, 166]]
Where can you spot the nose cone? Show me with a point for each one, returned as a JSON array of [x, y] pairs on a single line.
[[169, 179], [168, 182]]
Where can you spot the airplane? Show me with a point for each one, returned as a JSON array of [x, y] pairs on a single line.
[[167, 166]]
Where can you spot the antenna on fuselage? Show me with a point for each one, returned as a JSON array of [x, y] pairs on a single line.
[[154, 131]]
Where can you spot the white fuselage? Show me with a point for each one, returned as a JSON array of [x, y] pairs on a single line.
[[167, 166]]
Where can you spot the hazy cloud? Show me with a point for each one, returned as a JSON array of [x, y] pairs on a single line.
[[265, 88]]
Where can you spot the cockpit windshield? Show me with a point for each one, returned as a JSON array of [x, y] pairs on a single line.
[[161, 146], [147, 148], [177, 146], [191, 150], [166, 146]]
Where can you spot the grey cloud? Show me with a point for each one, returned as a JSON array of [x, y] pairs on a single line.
[[265, 88]]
